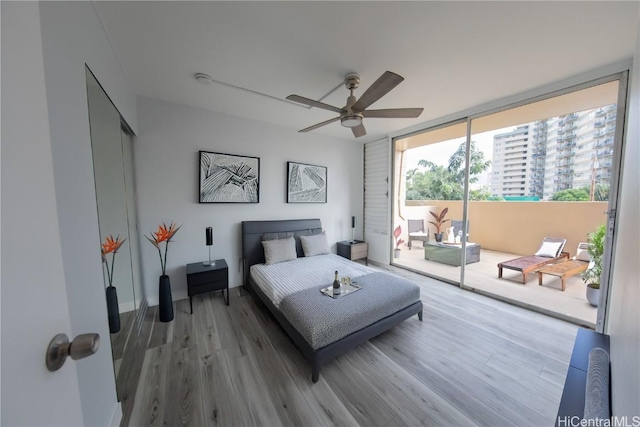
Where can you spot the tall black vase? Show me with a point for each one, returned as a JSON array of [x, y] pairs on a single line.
[[165, 302], [112, 310]]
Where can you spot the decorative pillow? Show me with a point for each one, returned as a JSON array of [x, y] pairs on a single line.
[[315, 244], [582, 253], [276, 236], [549, 249], [279, 250]]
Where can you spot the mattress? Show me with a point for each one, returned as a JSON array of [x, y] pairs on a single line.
[[280, 280], [322, 320]]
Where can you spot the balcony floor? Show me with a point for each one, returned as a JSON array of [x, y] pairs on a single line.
[[482, 277]]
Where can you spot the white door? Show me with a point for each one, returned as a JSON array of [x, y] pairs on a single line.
[[34, 300]]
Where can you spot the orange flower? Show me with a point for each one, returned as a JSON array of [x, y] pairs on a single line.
[[111, 245], [164, 234]]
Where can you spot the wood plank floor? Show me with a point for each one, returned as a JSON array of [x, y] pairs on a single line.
[[472, 361]]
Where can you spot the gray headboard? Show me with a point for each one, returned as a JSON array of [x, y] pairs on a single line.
[[252, 231]]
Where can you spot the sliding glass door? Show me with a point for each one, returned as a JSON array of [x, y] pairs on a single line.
[[500, 183]]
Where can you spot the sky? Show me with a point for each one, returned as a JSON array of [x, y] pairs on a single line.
[[439, 153]]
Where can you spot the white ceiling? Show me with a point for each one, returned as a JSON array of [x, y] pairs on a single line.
[[453, 55]]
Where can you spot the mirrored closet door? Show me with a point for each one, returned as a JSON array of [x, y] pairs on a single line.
[[112, 149]]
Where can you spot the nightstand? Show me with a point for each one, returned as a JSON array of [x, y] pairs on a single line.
[[202, 279], [354, 250]]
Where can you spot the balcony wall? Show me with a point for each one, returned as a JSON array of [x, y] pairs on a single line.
[[517, 227]]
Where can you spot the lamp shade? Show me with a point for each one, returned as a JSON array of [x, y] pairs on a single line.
[[209, 234]]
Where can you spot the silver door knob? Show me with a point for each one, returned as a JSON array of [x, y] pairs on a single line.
[[60, 348]]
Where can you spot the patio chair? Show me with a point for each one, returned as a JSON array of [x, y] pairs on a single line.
[[416, 231], [550, 252]]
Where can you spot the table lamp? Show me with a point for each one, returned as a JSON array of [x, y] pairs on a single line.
[[209, 237], [353, 229]]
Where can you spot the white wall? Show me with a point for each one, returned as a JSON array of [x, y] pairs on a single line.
[[167, 165], [623, 322], [72, 35]]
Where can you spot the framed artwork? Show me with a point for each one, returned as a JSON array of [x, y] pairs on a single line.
[[227, 178], [306, 183]]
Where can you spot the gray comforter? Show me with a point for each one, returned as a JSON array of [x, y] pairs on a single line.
[[322, 320]]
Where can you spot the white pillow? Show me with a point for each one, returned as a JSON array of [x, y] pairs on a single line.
[[315, 245], [549, 249], [582, 253], [279, 250]]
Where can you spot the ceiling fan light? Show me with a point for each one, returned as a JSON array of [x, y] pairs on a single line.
[[351, 121]]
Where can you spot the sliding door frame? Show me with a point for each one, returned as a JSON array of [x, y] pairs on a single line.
[[616, 170]]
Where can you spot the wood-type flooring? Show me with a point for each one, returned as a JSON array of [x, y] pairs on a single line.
[[472, 361]]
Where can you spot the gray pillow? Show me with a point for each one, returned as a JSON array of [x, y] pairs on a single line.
[[279, 250], [316, 244]]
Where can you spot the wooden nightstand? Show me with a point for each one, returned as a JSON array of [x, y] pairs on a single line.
[[354, 250], [207, 278]]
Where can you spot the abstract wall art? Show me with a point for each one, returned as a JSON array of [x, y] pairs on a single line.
[[306, 183], [227, 178]]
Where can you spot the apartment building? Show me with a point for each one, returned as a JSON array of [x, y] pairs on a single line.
[[542, 158], [512, 155]]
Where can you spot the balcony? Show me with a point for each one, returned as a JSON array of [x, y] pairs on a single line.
[[604, 153], [598, 123], [489, 223], [567, 153]]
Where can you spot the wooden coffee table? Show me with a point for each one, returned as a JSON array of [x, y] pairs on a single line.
[[563, 270]]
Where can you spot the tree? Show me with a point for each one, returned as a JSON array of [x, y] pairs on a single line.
[[601, 193], [482, 193], [476, 157], [436, 182], [571, 195]]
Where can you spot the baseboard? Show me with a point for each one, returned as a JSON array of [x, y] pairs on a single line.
[[126, 307], [116, 418]]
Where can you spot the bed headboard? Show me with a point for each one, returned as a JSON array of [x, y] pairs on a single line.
[[252, 231]]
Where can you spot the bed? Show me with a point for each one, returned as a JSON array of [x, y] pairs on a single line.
[[297, 305]]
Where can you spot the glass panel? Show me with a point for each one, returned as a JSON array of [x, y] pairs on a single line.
[[549, 178], [111, 200], [429, 200]]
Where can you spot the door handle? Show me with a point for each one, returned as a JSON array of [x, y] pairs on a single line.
[[60, 348]]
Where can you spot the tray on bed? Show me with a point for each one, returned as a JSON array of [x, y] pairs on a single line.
[[345, 289]]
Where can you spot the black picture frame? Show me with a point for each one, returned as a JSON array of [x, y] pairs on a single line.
[[306, 183], [228, 178]]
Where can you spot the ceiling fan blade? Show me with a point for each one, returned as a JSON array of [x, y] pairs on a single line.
[[395, 113], [313, 103], [359, 131], [377, 90], [316, 126]]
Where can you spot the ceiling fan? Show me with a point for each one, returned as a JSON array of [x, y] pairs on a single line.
[[352, 114]]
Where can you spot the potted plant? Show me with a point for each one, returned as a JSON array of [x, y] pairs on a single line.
[[439, 222], [592, 275], [165, 303], [399, 241]]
